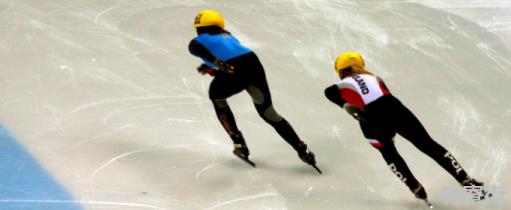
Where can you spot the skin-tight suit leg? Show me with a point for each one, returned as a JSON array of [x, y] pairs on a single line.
[[260, 93], [411, 128], [222, 87]]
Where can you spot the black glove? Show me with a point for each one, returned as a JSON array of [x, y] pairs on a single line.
[[354, 111], [223, 66], [205, 69]]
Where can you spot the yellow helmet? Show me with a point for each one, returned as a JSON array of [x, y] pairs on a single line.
[[208, 18], [348, 59]]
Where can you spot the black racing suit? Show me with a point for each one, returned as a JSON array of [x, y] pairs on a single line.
[[382, 119], [248, 75]]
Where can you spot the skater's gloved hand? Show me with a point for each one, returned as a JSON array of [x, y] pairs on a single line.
[[353, 110], [205, 69], [223, 66]]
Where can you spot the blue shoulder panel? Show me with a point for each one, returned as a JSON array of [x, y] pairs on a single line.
[[222, 46]]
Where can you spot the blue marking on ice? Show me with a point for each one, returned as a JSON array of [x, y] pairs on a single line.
[[25, 185]]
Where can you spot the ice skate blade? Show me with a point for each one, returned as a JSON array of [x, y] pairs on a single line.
[[246, 160], [428, 204], [317, 169]]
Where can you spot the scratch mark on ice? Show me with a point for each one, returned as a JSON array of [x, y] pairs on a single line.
[[201, 112], [111, 101], [180, 120], [90, 139], [104, 165], [21, 98], [242, 199], [83, 202], [104, 12], [197, 175], [335, 134], [308, 190]]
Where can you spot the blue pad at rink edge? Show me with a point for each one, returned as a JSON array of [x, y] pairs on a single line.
[[24, 184]]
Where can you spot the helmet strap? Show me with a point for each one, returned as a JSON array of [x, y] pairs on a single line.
[[213, 30]]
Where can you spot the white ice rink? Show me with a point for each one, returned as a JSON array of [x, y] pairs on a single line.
[[105, 96]]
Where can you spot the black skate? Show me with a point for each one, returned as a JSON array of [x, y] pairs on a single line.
[[240, 148], [241, 151], [308, 157], [476, 188], [420, 193]]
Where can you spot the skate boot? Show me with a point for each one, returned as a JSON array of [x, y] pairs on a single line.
[[476, 188], [241, 149], [307, 156], [420, 193], [471, 182]]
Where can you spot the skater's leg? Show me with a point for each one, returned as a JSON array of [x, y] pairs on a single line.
[[410, 128], [262, 101], [220, 89], [225, 116], [380, 133], [398, 166], [259, 91]]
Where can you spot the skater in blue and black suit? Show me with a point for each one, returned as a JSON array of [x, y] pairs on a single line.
[[236, 68]]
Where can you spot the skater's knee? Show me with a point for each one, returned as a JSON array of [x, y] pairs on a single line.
[[216, 95], [256, 94], [212, 95], [428, 145], [220, 103], [270, 114]]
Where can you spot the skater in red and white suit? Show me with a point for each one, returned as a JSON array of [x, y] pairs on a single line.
[[381, 115]]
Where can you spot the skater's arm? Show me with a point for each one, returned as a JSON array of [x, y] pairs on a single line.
[[332, 93], [199, 50], [382, 85]]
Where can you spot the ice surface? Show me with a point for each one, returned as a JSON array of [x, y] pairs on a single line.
[[106, 96]]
